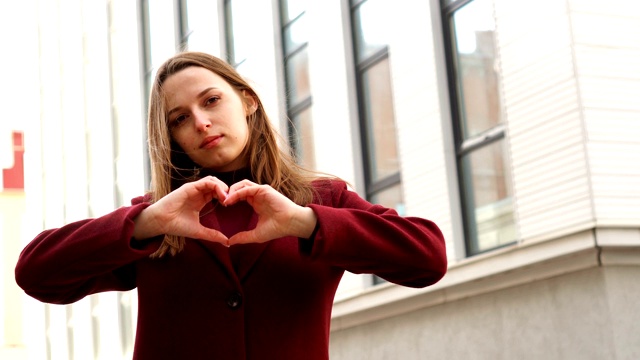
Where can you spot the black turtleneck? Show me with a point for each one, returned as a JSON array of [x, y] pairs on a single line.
[[228, 177]]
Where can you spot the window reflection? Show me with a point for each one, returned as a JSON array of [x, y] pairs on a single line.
[[303, 138], [291, 9], [375, 96], [390, 197], [478, 88], [483, 166], [239, 14], [298, 90], [202, 31], [295, 35], [383, 153], [371, 37], [298, 77], [489, 196]]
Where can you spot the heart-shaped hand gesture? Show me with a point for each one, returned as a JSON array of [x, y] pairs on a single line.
[[178, 213], [278, 216]]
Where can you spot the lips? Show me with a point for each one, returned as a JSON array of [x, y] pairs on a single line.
[[210, 141]]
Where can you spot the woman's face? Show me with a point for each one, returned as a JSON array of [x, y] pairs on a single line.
[[208, 118]]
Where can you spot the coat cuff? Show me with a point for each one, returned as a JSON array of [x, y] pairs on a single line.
[[306, 245]]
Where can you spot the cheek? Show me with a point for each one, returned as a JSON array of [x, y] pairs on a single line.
[[182, 140]]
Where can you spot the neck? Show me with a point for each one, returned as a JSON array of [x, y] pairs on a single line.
[[228, 177]]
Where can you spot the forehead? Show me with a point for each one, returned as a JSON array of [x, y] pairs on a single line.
[[192, 80]]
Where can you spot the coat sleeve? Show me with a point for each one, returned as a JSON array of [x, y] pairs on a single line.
[[364, 238], [63, 265]]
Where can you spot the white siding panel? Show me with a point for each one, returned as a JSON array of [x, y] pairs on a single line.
[[561, 216], [546, 138], [605, 125], [547, 188], [533, 47], [547, 172], [615, 159], [544, 123], [608, 62], [520, 18], [566, 191], [616, 181], [555, 68], [610, 7], [611, 93], [605, 185], [618, 210], [609, 31], [526, 113], [608, 68]]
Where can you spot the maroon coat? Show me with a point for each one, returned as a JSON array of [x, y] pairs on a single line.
[[257, 301]]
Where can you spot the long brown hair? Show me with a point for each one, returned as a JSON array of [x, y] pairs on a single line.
[[171, 167]]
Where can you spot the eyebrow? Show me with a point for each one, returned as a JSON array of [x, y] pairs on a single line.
[[201, 94]]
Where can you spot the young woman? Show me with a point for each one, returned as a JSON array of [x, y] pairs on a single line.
[[236, 252]]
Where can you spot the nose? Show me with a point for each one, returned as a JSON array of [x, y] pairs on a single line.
[[201, 120]]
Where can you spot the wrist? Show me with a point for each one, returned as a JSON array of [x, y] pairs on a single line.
[[306, 223], [146, 224]]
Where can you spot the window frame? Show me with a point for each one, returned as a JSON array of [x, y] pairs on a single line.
[[361, 66], [293, 109], [464, 147]]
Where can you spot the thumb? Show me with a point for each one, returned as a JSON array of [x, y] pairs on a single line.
[[244, 237], [212, 235]]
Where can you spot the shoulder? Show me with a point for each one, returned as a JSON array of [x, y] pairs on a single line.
[[328, 191], [146, 198]]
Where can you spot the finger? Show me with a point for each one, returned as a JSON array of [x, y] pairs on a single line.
[[211, 183], [242, 191], [245, 237], [241, 185], [213, 235]]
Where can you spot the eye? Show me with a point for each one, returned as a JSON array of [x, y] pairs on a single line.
[[212, 100], [177, 121]]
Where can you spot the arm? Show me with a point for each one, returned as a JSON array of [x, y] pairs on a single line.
[[364, 238], [63, 265]]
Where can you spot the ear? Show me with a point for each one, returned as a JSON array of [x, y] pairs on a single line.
[[250, 103]]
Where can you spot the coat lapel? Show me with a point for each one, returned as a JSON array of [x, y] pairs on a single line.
[[238, 260], [218, 251], [246, 255]]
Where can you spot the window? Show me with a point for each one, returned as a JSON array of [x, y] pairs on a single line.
[[183, 26], [239, 32], [198, 28], [298, 90], [375, 102], [483, 170]]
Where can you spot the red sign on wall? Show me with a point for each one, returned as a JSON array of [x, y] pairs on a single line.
[[13, 178]]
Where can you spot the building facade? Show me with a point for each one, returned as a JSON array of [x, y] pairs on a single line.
[[514, 125]]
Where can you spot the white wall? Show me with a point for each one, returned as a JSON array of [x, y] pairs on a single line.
[[607, 58], [544, 119], [579, 315]]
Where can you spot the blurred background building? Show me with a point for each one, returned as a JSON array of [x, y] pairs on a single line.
[[513, 124]]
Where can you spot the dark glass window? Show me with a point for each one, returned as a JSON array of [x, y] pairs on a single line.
[[238, 31], [298, 89], [483, 169], [375, 101]]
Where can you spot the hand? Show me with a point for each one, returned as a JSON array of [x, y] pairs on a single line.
[[178, 213], [278, 216]]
